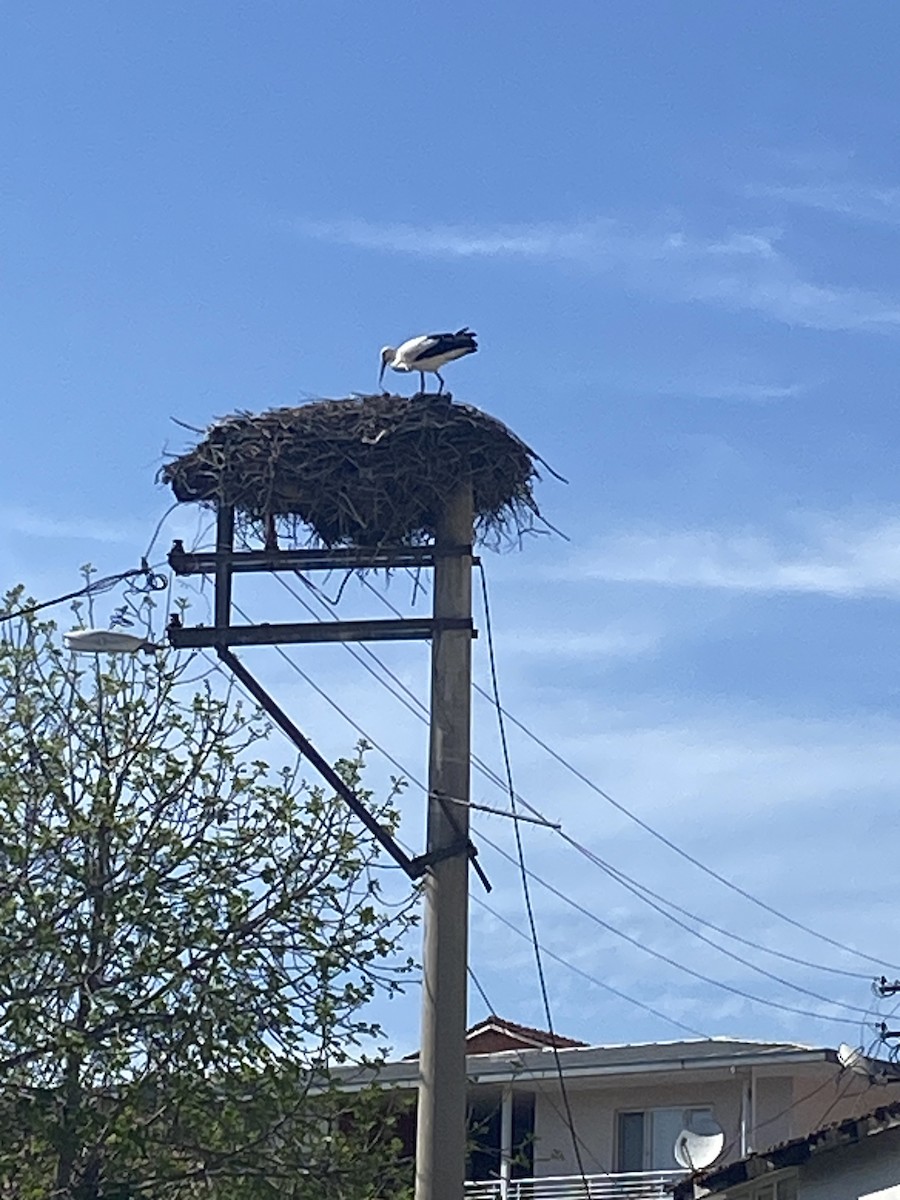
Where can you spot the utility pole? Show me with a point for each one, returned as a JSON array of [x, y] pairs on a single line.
[[441, 1125], [444, 867]]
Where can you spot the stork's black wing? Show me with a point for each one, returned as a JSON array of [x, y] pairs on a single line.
[[445, 343]]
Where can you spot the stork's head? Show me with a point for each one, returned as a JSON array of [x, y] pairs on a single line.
[[387, 353]]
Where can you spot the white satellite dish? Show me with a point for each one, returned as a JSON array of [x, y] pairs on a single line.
[[105, 641], [695, 1151], [853, 1060]]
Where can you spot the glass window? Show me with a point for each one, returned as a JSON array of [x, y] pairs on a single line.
[[631, 1141], [646, 1140]]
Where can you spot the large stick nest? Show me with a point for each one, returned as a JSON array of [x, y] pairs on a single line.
[[368, 471]]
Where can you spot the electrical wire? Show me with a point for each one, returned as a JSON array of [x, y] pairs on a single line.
[[634, 889], [586, 975], [413, 704], [156, 532], [672, 962], [526, 890], [526, 1072], [409, 775], [687, 856], [711, 981], [622, 877], [95, 587], [481, 992], [641, 891], [661, 837]]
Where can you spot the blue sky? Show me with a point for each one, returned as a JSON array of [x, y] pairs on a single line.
[[675, 229]]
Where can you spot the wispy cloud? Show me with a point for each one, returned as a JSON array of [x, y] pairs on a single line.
[[742, 271], [858, 201], [26, 522], [711, 389], [613, 642], [827, 556]]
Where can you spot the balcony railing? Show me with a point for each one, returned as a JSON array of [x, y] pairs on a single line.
[[629, 1185]]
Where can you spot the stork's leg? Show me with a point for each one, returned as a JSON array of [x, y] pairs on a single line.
[[441, 378], [422, 382]]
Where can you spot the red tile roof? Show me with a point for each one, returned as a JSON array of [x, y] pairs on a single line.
[[495, 1034]]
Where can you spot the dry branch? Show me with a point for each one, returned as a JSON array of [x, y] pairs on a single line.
[[367, 471]]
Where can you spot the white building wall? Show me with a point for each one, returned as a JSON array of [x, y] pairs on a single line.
[[785, 1107], [594, 1114], [869, 1171]]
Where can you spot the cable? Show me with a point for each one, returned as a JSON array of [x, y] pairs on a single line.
[[614, 874], [686, 855], [671, 845], [94, 587], [414, 705], [842, 1091], [621, 876], [801, 1012], [481, 992], [418, 783], [578, 907], [831, 1081], [526, 890], [641, 891], [586, 975], [156, 532]]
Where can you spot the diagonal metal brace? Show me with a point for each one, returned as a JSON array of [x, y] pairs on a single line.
[[411, 866]]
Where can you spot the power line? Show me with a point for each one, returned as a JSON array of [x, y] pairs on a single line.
[[526, 890], [418, 783], [802, 1012], [686, 855], [414, 705], [634, 889], [641, 891], [481, 992], [586, 975], [620, 875], [94, 587], [713, 982], [661, 837]]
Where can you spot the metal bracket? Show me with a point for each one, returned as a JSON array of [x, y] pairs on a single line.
[[343, 558], [423, 861], [430, 858], [411, 628]]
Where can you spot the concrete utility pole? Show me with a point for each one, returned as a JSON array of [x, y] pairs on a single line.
[[441, 1127]]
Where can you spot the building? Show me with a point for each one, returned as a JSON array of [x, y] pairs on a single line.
[[628, 1104], [854, 1159]]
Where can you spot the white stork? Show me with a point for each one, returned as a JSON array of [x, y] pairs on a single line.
[[429, 352]]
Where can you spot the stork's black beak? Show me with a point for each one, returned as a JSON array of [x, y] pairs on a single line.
[[381, 372]]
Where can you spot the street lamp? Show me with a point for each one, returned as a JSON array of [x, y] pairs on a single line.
[[107, 641]]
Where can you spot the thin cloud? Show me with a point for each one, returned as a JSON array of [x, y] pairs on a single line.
[[743, 271], [26, 522], [755, 393], [858, 201], [836, 559], [614, 642]]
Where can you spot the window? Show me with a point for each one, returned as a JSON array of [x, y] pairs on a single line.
[[484, 1137], [646, 1139]]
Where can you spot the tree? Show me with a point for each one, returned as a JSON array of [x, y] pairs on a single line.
[[188, 940]]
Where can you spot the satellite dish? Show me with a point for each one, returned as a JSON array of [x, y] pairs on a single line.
[[105, 641], [694, 1151], [853, 1060]]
